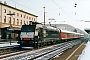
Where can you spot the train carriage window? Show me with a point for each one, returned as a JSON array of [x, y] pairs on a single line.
[[56, 32], [68, 34], [64, 34]]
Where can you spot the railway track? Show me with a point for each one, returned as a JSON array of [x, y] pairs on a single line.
[[6, 48], [41, 54]]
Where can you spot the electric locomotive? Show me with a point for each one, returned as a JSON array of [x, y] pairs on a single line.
[[36, 35]]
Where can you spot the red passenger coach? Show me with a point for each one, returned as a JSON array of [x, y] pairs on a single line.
[[68, 35]]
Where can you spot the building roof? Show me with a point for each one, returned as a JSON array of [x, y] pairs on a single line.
[[17, 9]]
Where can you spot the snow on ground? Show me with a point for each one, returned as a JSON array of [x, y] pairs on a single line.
[[85, 53], [8, 44]]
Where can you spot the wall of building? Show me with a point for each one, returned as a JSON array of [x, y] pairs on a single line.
[[15, 21], [18, 19], [0, 18], [0, 13]]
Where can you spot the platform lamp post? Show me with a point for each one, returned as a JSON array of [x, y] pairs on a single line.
[[10, 27]]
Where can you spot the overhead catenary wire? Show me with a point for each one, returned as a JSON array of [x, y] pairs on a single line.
[[40, 11], [61, 8], [33, 9], [24, 6]]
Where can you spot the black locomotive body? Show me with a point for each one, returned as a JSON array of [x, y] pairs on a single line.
[[37, 35]]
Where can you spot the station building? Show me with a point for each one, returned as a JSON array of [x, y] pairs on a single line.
[[11, 20]]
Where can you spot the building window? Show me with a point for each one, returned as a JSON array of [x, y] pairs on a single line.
[[17, 14], [24, 22], [9, 20], [21, 22], [21, 15], [13, 20], [4, 10], [30, 18], [17, 21], [24, 16], [34, 19], [9, 12], [27, 22], [13, 12], [27, 17], [4, 19]]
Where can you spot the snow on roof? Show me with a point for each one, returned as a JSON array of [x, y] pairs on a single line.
[[67, 31]]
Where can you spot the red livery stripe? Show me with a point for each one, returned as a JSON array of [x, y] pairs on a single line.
[[26, 38]]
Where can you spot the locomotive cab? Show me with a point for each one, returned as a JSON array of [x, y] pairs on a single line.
[[28, 35], [27, 32]]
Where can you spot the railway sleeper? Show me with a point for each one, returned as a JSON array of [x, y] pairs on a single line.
[[66, 46]]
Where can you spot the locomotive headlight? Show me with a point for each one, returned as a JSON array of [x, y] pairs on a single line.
[[26, 32]]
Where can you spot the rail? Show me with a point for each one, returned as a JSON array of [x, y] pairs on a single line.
[[45, 53]]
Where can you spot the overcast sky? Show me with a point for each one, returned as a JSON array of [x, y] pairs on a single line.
[[63, 11]]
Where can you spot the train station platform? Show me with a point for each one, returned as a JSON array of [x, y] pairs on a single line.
[[85, 53], [4, 45]]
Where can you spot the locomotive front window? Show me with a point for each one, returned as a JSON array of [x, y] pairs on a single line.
[[29, 28]]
